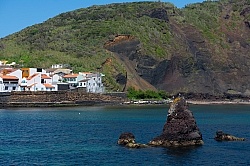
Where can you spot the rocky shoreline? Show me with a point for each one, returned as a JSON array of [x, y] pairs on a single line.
[[75, 98], [190, 101]]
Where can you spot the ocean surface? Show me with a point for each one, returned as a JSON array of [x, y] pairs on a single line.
[[88, 136]]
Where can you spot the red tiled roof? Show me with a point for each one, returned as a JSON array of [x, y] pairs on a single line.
[[8, 70], [30, 77], [44, 76], [48, 86], [9, 77], [70, 76]]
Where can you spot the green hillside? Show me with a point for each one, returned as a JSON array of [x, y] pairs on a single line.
[[200, 40]]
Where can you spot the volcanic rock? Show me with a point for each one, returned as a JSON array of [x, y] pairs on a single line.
[[180, 128], [160, 13], [128, 140], [221, 136]]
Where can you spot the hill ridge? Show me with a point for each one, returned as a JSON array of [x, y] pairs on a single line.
[[202, 48]]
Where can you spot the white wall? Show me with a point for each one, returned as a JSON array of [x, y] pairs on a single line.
[[34, 70], [1, 85], [18, 74]]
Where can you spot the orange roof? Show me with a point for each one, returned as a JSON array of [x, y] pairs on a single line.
[[30, 77], [70, 76], [8, 70], [44, 76], [48, 86], [9, 77]]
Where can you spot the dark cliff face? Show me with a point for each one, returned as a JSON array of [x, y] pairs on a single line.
[[139, 67], [199, 66]]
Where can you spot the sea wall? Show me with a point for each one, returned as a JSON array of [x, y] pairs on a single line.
[[4, 97], [57, 98]]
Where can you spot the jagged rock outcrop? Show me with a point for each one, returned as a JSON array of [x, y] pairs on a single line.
[[221, 136], [180, 128], [160, 13], [128, 140]]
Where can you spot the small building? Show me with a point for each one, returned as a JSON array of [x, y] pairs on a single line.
[[10, 83], [38, 82], [60, 66], [72, 80], [27, 72], [49, 87], [92, 82]]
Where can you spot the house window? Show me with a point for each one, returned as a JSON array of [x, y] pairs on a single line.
[[6, 88], [39, 70], [1, 82], [84, 83], [93, 84], [41, 88], [14, 88], [51, 89]]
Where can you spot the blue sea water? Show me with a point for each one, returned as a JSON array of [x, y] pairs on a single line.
[[88, 136]]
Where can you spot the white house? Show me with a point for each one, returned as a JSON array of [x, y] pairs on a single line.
[[60, 66], [73, 79], [95, 83], [1, 85], [92, 82], [10, 83], [38, 81], [17, 73], [10, 79]]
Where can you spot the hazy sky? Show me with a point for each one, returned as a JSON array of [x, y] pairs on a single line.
[[16, 15]]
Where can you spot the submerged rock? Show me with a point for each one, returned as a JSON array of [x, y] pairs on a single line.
[[221, 136], [180, 128], [128, 140]]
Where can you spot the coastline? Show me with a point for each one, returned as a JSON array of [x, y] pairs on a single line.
[[197, 102], [190, 101]]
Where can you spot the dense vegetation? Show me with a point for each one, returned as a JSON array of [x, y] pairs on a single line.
[[148, 94], [78, 37]]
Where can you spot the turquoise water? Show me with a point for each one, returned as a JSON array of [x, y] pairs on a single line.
[[88, 136]]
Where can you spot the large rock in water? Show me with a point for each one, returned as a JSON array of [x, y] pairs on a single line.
[[180, 128]]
